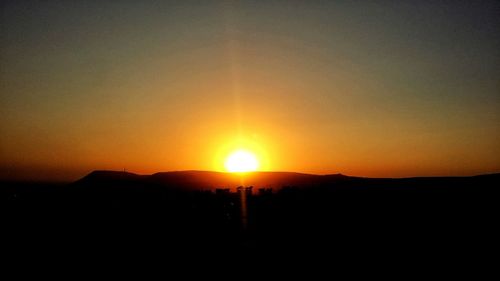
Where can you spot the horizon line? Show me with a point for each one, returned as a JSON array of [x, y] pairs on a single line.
[[59, 180]]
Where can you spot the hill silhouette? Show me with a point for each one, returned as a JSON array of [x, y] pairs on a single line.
[[209, 180], [171, 213]]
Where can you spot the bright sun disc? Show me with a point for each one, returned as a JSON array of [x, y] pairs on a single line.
[[241, 161]]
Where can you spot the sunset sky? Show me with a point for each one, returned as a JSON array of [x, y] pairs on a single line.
[[366, 88]]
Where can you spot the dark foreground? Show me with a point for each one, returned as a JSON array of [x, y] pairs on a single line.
[[417, 222]]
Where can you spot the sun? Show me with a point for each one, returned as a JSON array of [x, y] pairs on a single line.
[[241, 161]]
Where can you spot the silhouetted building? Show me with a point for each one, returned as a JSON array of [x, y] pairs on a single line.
[[247, 190]]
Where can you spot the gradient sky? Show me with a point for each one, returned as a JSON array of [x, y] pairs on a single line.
[[369, 88]]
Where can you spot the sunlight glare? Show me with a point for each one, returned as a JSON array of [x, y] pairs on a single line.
[[241, 161]]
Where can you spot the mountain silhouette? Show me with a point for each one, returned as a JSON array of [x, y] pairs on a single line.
[[178, 212], [209, 180]]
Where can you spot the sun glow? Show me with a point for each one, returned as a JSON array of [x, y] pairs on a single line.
[[241, 161]]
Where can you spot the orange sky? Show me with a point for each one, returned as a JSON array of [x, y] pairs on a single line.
[[332, 88]]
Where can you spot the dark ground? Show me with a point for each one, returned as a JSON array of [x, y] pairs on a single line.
[[415, 223]]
